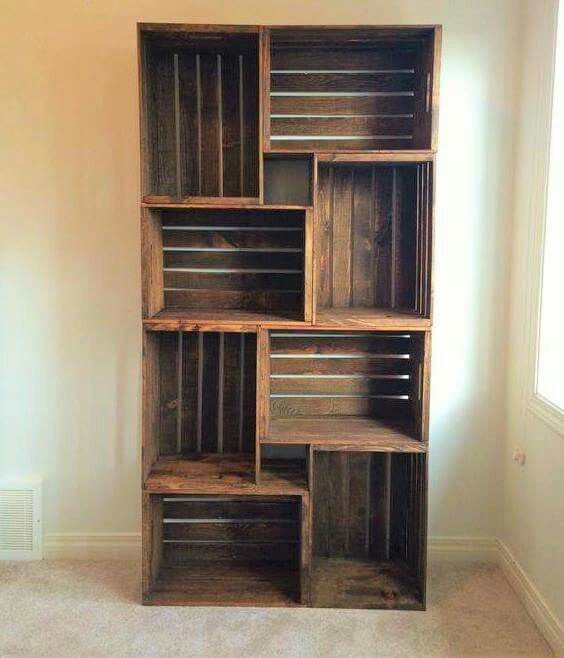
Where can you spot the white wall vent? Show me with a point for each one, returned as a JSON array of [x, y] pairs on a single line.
[[21, 536]]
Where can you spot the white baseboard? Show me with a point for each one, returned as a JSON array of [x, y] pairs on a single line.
[[548, 623], [92, 546], [463, 549], [127, 545]]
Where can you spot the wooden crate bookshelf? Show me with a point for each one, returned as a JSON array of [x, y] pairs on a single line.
[[287, 178]]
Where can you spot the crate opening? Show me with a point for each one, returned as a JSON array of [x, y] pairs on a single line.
[[345, 386], [368, 539], [225, 550], [200, 102], [374, 240], [347, 90], [236, 262]]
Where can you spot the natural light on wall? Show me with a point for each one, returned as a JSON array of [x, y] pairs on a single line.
[[550, 384]]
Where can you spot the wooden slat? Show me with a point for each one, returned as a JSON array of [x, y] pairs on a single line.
[[339, 406], [344, 144], [284, 304], [356, 385], [342, 105], [189, 435], [235, 259], [232, 136], [235, 239], [363, 265], [188, 554], [341, 243], [168, 393], [252, 160], [161, 121], [180, 507], [349, 59], [210, 398], [234, 531], [362, 126], [233, 280], [210, 127], [345, 366], [189, 145], [341, 343], [392, 83]]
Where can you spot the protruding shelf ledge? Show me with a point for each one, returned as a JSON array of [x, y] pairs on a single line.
[[344, 433], [215, 203], [220, 474], [218, 320], [369, 318]]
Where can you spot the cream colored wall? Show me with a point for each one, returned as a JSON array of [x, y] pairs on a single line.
[[70, 320], [533, 523]]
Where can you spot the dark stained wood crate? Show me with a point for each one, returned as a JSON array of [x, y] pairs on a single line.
[[200, 111], [227, 260], [369, 528], [205, 399], [229, 550], [374, 239], [346, 89], [287, 181], [358, 388]]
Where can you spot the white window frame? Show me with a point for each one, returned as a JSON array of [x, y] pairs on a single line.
[[536, 403]]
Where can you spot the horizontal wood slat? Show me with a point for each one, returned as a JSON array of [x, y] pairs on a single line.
[[346, 59], [390, 83], [359, 126], [341, 105]]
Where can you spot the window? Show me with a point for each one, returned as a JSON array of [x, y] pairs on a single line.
[[550, 356]]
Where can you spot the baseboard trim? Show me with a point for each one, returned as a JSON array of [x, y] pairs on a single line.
[[127, 545], [92, 546], [546, 621], [463, 549]]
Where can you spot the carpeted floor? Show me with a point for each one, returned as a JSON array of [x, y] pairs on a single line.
[[64, 608]]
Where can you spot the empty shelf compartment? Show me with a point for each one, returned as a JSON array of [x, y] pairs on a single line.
[[374, 240], [347, 388], [344, 89], [369, 515], [238, 260], [199, 114], [222, 550]]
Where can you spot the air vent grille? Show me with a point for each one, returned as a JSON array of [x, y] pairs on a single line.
[[20, 519]]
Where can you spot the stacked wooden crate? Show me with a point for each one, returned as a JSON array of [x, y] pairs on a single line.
[[287, 222]]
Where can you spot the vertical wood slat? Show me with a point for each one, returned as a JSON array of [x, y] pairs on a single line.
[[262, 394], [199, 119], [220, 391], [341, 237], [362, 238], [394, 223], [179, 380], [242, 129], [177, 126], [241, 391], [219, 126], [308, 247], [200, 392]]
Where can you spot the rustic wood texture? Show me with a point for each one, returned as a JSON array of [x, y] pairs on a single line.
[[368, 518], [200, 113], [206, 385], [331, 90], [374, 236], [287, 179], [217, 474]]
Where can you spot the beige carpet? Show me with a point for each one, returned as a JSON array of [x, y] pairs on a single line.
[[63, 608]]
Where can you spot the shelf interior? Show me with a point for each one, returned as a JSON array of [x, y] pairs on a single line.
[[201, 114], [336, 386], [220, 260], [368, 516], [226, 549], [374, 239], [333, 89]]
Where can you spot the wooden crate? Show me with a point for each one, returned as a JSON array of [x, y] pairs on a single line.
[[287, 182]]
